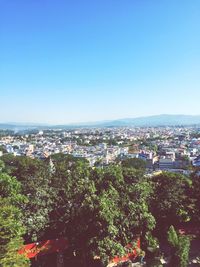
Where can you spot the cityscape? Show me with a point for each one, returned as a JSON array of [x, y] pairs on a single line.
[[174, 149], [158, 154], [99, 133]]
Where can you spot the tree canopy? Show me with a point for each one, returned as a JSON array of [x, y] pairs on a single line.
[[99, 210], [12, 229]]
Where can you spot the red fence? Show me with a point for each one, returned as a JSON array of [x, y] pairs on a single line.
[[131, 255], [57, 245], [44, 247]]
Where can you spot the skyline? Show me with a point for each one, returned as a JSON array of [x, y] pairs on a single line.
[[64, 62]]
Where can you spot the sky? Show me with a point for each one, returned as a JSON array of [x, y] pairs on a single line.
[[64, 61]]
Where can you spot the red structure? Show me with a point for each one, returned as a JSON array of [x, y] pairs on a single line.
[[34, 250], [42, 248], [131, 255]]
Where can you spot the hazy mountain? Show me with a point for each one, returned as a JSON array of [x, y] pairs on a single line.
[[157, 120]]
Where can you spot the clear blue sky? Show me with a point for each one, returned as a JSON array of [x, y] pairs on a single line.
[[84, 60]]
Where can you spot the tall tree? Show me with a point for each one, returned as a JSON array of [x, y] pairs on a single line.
[[12, 229], [35, 177], [169, 201], [98, 210], [180, 247], [194, 197]]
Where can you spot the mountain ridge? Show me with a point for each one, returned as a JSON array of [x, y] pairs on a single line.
[[154, 120]]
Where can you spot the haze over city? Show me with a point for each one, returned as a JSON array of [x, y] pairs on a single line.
[[79, 61]]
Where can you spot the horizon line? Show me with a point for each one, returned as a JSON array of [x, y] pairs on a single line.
[[95, 121]]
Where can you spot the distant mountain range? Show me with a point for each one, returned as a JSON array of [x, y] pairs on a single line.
[[157, 120]]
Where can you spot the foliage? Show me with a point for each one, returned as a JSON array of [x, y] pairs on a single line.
[[135, 163], [99, 210], [180, 247], [11, 226], [2, 165], [35, 178], [169, 203], [152, 243], [2, 148], [172, 237], [194, 197]]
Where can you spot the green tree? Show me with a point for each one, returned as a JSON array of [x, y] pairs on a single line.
[[134, 163], [128, 193], [97, 210], [35, 178], [11, 226], [180, 247], [100, 211], [169, 203], [2, 149], [194, 197]]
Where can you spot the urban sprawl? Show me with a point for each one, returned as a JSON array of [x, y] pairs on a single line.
[[176, 149]]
